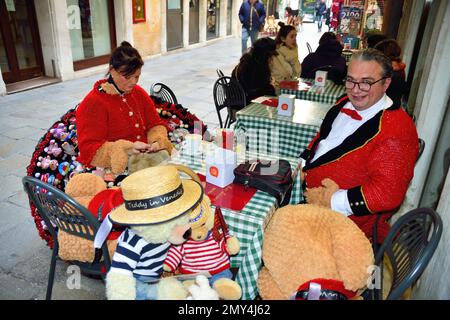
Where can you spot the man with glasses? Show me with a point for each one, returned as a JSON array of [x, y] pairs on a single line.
[[362, 159]]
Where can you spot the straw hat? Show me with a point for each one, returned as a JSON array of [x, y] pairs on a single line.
[[155, 195], [201, 213]]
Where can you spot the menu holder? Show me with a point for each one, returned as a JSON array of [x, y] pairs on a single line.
[[273, 102], [234, 196]]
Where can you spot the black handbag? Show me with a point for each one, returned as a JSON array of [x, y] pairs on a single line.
[[273, 177]]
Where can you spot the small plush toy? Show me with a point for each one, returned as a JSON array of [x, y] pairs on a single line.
[[203, 252], [310, 252], [156, 213], [200, 290]]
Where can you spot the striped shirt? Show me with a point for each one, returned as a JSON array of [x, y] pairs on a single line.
[[197, 256], [136, 257]]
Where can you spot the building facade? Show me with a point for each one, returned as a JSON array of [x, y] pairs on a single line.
[[68, 39]]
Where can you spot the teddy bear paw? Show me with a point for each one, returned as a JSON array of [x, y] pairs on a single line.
[[228, 289]]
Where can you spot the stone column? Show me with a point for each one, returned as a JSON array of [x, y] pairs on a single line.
[[185, 14], [2, 85], [163, 26], [202, 20], [123, 11]]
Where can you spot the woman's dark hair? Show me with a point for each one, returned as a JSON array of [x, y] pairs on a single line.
[[283, 32], [390, 48], [372, 40], [260, 53], [327, 36], [126, 59]]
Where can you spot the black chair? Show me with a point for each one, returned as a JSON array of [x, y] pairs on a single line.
[[421, 148], [162, 91], [220, 73], [409, 246], [228, 94], [309, 47], [61, 212]]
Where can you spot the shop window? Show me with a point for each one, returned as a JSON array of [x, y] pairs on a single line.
[[91, 29]]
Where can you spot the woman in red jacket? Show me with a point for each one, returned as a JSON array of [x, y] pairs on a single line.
[[117, 118]]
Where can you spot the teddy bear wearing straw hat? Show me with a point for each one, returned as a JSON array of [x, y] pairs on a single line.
[[156, 212]]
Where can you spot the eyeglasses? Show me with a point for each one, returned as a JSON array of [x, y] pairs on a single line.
[[363, 86]]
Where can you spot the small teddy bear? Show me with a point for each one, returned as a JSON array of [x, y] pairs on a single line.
[[53, 149], [207, 250]]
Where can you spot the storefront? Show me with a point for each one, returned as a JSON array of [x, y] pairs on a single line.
[[62, 40]]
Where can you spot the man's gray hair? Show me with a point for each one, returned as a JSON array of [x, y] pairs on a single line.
[[377, 56]]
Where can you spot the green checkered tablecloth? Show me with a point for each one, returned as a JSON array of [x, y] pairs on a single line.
[[247, 225], [328, 94], [268, 133]]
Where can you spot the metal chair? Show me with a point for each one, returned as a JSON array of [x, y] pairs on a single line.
[[220, 73], [162, 91], [228, 94], [421, 148], [61, 212], [409, 246], [309, 47]]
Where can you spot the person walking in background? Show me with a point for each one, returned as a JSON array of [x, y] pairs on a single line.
[[252, 15], [254, 69], [286, 65], [328, 56], [397, 88], [321, 9]]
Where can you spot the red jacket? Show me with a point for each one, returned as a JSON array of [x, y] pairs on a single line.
[[102, 117], [375, 164]]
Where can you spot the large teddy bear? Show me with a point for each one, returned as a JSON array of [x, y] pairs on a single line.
[[156, 209], [312, 252], [207, 250]]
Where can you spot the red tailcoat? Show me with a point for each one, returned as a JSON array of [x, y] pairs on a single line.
[[103, 117], [375, 164]]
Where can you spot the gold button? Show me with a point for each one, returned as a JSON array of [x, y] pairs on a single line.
[[131, 113], [138, 137], [137, 125]]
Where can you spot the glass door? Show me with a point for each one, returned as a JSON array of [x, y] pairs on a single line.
[[213, 15], [20, 46], [174, 29], [92, 31], [194, 11]]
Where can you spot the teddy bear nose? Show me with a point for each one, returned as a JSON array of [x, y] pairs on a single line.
[[187, 234]]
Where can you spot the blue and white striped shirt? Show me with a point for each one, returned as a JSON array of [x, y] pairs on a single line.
[[135, 256]]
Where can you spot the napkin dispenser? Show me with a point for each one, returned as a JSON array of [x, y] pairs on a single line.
[[321, 78], [220, 164], [286, 103]]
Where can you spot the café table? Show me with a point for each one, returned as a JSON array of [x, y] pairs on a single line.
[[306, 90], [268, 132], [248, 224]]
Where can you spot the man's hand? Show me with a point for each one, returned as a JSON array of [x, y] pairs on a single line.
[[321, 196]]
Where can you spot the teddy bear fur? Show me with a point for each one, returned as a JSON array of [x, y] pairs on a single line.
[[114, 155], [307, 242], [82, 188], [141, 161], [227, 289], [123, 287]]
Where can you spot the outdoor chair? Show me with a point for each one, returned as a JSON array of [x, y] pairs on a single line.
[[421, 148], [61, 212], [407, 249], [162, 91], [309, 47], [228, 94]]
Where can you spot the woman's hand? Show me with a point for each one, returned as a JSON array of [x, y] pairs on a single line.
[[139, 147]]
